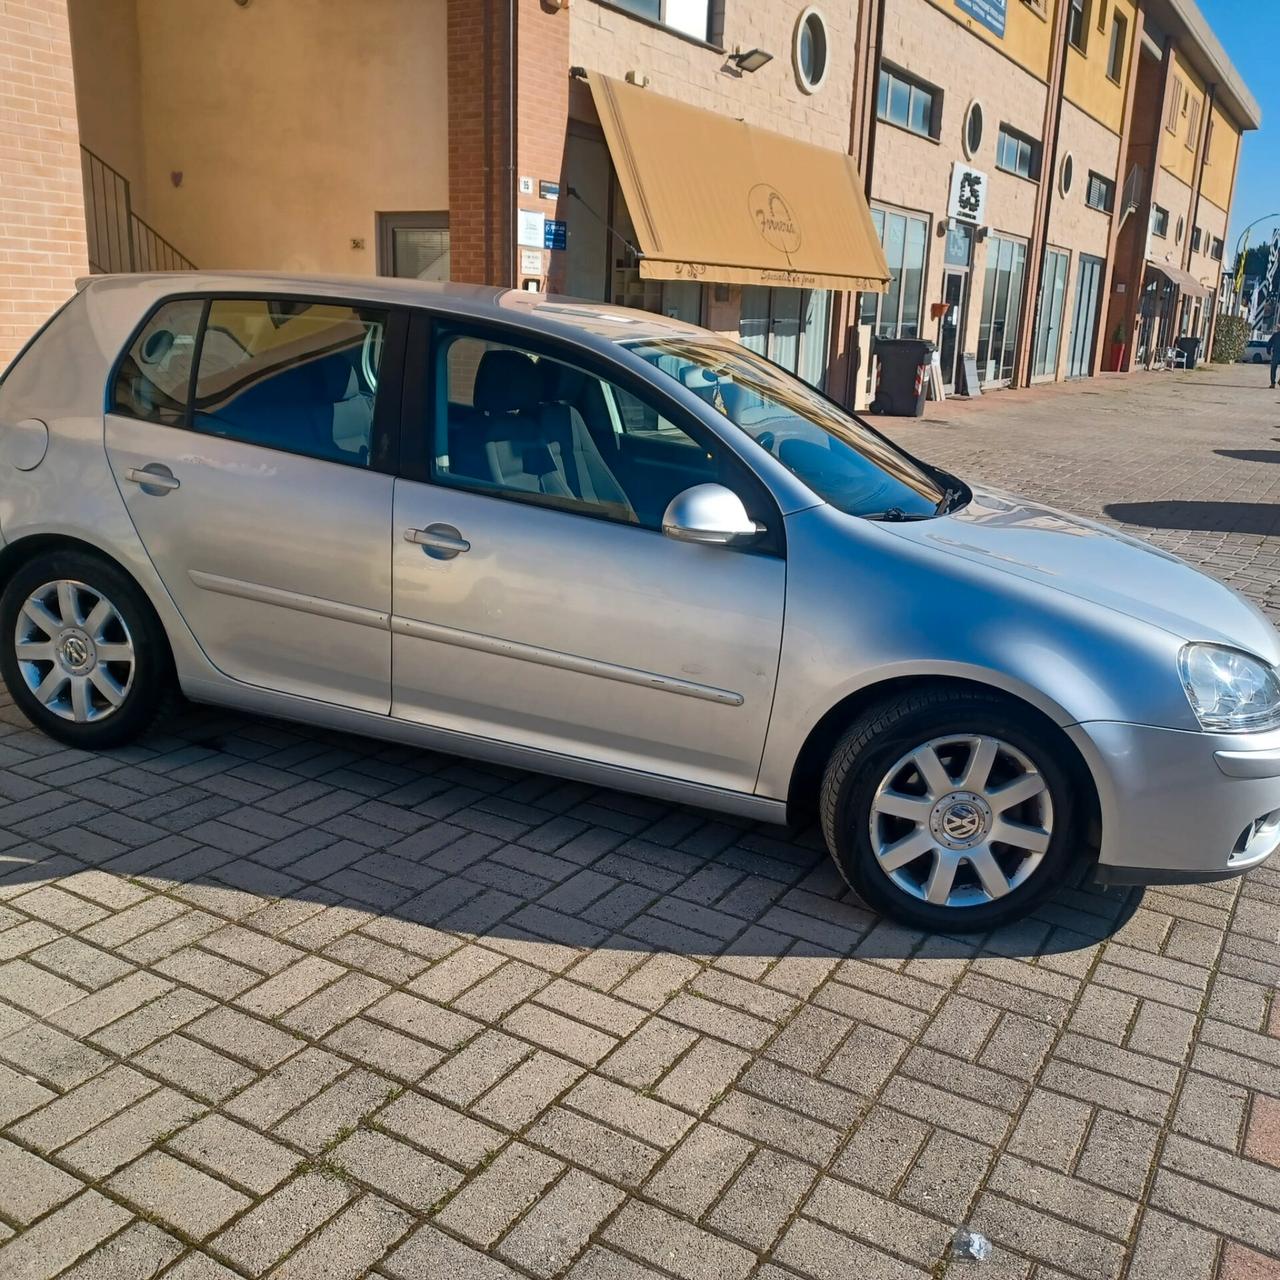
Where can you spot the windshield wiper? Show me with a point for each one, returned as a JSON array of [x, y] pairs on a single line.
[[894, 515], [951, 499]]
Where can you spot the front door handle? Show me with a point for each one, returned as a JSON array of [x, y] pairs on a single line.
[[439, 541], [155, 478]]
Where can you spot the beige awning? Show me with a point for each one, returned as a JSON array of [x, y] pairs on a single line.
[[1185, 281], [713, 199]]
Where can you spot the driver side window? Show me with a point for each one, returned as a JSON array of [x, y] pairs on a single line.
[[521, 425]]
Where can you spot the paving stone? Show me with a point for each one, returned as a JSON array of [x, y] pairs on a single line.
[[130, 1133], [763, 1121], [341, 1106], [614, 1104], [698, 1170], [348, 1246], [489, 1058], [558, 1227], [235, 1153], [655, 1236], [702, 1076], [396, 1169], [286, 1087], [488, 1204], [78, 1111], [250, 1039], [139, 1252], [1118, 1153], [1052, 1241], [429, 1252], [276, 1225], [184, 1198], [597, 1147], [947, 1175], [814, 1250], [889, 1226], [1079, 1202], [195, 1068], [882, 1149], [762, 1199], [1211, 1110], [31, 1186], [1166, 1247], [62, 1238]]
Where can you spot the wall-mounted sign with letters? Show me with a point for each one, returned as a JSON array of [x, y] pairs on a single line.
[[968, 202], [991, 13]]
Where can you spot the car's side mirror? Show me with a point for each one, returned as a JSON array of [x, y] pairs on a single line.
[[712, 514]]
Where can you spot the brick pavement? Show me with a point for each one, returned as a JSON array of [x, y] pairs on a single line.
[[277, 1002]]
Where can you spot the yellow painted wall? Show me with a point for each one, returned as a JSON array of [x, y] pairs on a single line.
[[292, 122], [1220, 166], [1175, 155], [1027, 34], [1088, 85]]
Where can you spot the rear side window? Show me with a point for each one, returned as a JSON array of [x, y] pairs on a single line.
[[155, 375], [291, 374]]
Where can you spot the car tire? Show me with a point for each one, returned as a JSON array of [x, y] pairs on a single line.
[[82, 652], [900, 839]]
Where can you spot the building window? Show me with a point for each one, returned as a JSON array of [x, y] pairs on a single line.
[[973, 122], [1193, 127], [1115, 57], [810, 50], [1215, 250], [1179, 229], [909, 103], [1016, 153], [1195, 239], [1066, 174], [689, 17], [414, 245], [1159, 221], [896, 313], [1171, 108], [1100, 193], [1078, 24]]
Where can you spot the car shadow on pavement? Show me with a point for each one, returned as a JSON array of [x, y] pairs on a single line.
[[1250, 455], [1208, 517], [256, 822]]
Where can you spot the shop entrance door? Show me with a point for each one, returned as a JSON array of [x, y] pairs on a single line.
[[1084, 317], [955, 292]]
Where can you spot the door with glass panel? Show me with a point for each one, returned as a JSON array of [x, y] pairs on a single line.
[[1001, 308], [414, 246], [1084, 317], [789, 327], [1053, 305]]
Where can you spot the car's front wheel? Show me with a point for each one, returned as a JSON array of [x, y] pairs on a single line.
[[81, 651], [951, 811]]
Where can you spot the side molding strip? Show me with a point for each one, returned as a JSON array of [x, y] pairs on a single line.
[[563, 661], [290, 600]]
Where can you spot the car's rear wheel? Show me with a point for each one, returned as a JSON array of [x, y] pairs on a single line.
[[950, 810], [81, 651]]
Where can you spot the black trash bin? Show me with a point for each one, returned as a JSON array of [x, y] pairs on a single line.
[[1190, 347], [903, 380]]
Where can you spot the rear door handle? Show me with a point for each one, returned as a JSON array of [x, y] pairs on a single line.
[[439, 541], [155, 478]]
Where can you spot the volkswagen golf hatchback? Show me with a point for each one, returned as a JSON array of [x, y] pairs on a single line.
[[615, 547]]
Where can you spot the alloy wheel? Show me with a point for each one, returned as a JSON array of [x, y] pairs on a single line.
[[961, 820], [74, 651]]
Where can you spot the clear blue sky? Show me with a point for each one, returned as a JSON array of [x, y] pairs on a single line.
[[1250, 33]]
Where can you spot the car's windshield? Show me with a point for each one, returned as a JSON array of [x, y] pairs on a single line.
[[840, 459]]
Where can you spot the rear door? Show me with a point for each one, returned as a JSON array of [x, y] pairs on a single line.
[[247, 437]]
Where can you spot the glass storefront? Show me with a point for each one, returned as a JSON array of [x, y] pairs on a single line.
[[1001, 308], [896, 313], [789, 327], [1053, 302]]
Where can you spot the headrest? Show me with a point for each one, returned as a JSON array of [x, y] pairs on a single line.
[[507, 382], [561, 382], [697, 378]]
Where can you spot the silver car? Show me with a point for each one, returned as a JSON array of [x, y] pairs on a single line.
[[619, 548]]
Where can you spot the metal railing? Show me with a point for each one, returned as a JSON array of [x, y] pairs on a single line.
[[119, 240], [1131, 195]]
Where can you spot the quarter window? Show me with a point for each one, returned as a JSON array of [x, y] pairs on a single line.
[[1016, 153], [154, 378], [908, 103], [291, 374]]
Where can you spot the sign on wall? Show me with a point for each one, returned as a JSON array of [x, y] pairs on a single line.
[[968, 201], [991, 13]]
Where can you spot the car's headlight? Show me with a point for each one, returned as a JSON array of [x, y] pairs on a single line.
[[1230, 691]]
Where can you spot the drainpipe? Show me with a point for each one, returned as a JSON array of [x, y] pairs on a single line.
[[509, 251], [1048, 182], [1202, 147]]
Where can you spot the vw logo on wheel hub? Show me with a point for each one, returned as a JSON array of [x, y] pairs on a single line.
[[960, 820], [75, 651]]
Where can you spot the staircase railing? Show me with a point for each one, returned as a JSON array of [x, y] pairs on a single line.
[[1130, 197], [119, 240]]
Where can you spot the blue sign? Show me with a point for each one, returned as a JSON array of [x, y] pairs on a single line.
[[555, 234], [991, 13]]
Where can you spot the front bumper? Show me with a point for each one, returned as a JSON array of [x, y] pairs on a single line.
[[1179, 807]]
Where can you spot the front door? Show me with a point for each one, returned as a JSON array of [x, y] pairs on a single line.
[[536, 600], [1084, 317], [953, 292], [1048, 332], [265, 502]]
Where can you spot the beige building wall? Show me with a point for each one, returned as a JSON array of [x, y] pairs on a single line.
[[604, 40], [1088, 83], [1170, 192], [1178, 147], [1212, 222], [914, 173], [1221, 160], [269, 136], [42, 236]]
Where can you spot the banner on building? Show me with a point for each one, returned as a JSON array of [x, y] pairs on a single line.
[[991, 13]]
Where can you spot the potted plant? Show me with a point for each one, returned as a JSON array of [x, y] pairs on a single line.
[[1115, 356]]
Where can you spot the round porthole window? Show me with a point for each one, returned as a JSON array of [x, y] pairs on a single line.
[[810, 50], [1178, 230], [1066, 173], [972, 130]]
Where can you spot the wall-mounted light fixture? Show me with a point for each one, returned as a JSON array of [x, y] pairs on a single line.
[[750, 59], [638, 79]]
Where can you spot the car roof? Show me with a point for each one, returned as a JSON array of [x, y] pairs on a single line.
[[595, 323]]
